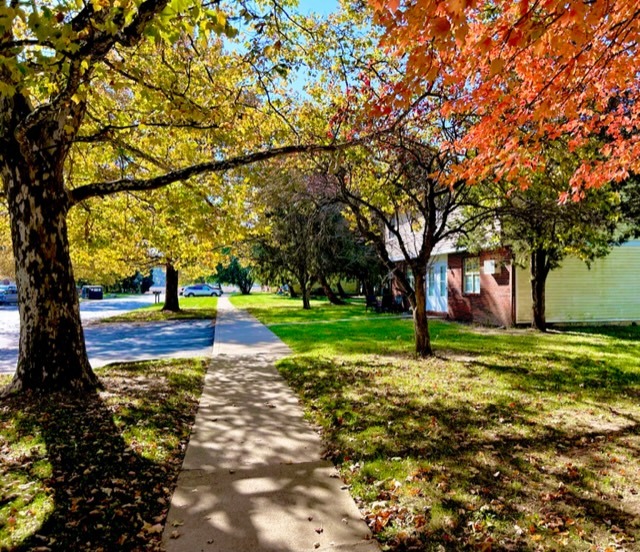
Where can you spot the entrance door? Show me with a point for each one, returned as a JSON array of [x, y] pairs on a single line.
[[437, 287]]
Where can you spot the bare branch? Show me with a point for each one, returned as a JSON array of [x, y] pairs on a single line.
[[101, 189]]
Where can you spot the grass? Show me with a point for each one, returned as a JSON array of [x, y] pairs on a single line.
[[505, 440], [277, 309], [96, 472], [192, 308]]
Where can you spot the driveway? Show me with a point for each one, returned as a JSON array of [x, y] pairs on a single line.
[[117, 342]]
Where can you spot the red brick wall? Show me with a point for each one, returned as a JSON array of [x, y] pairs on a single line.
[[492, 306]]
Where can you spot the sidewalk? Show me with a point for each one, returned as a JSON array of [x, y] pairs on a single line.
[[252, 478]]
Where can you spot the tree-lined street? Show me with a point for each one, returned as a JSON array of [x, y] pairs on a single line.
[[118, 342], [472, 160]]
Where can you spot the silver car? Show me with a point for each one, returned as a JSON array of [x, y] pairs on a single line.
[[202, 290], [8, 294]]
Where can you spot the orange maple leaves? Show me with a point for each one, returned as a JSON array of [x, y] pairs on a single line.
[[527, 72]]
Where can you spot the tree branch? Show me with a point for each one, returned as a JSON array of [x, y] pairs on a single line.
[[102, 189]]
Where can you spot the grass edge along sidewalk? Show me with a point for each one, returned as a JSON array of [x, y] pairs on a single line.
[[506, 440], [97, 472], [191, 308]]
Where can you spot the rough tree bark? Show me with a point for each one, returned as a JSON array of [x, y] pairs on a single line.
[[52, 353], [171, 300], [539, 270]]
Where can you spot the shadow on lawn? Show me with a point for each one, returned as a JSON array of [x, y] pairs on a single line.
[[581, 375], [103, 491], [106, 495], [627, 332], [481, 461]]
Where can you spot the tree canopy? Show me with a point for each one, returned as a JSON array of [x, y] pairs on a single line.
[[104, 98], [524, 73]]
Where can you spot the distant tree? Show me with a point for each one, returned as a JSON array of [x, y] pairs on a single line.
[[146, 283], [400, 196], [542, 229], [287, 253], [236, 274], [307, 239]]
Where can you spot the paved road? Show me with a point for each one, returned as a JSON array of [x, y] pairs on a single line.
[[120, 342]]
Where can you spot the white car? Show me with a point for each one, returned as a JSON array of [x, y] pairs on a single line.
[[202, 290]]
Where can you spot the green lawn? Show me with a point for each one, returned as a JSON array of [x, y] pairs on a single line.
[[277, 309], [96, 472], [506, 440], [191, 308]]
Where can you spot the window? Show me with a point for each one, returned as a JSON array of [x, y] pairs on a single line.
[[471, 275], [432, 283], [443, 281]]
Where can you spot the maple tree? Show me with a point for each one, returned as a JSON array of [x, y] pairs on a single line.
[[116, 78], [524, 72]]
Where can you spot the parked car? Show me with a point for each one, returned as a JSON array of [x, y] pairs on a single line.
[[91, 292], [202, 290], [8, 294]]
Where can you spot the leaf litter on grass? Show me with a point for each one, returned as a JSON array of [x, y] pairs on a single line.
[[96, 472], [484, 453]]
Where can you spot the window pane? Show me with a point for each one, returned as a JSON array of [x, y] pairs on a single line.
[[472, 275], [443, 280], [432, 283]]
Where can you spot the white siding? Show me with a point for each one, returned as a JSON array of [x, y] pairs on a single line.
[[608, 292], [411, 233]]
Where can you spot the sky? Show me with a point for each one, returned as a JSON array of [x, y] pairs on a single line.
[[321, 7]]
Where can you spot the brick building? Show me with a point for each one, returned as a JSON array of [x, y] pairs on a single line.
[[490, 288]]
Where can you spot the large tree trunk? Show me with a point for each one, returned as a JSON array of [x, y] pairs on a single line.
[[420, 319], [171, 300], [333, 298], [539, 270], [52, 353]]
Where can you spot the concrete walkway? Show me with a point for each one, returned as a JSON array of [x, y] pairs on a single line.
[[252, 478]]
